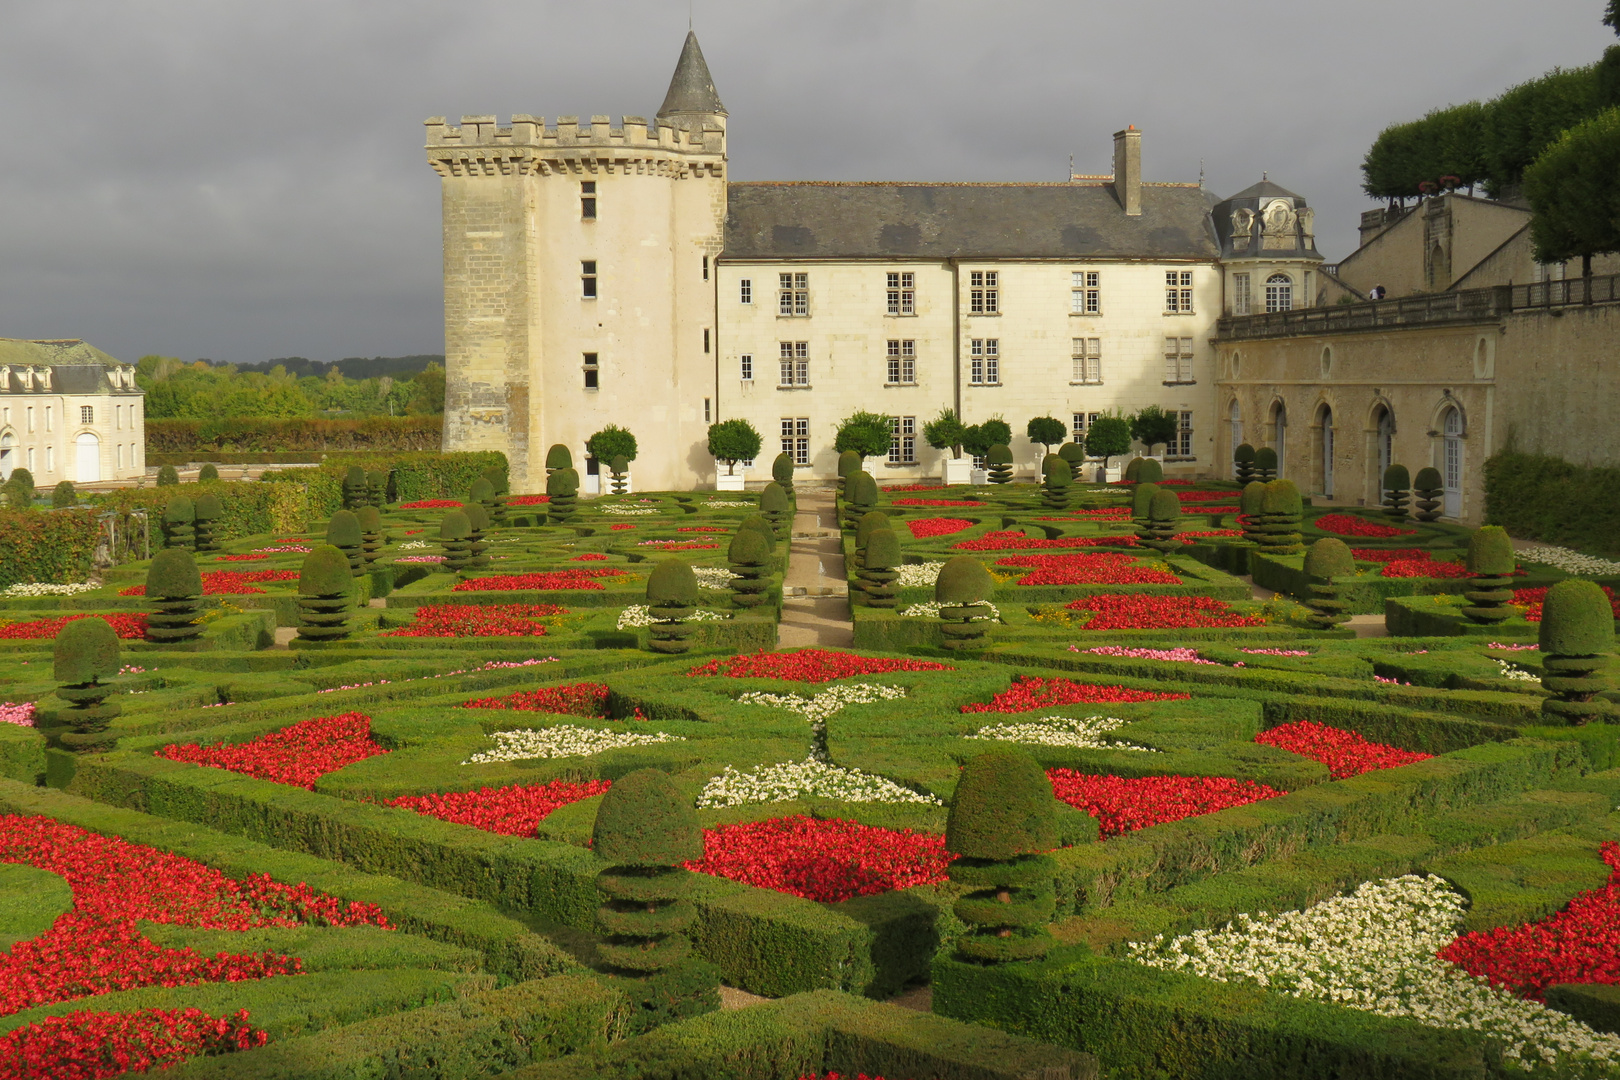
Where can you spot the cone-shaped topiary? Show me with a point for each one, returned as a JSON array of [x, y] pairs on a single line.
[[325, 595], [782, 472], [620, 468], [563, 488], [999, 460], [1397, 491], [167, 477], [758, 523], [64, 495], [455, 536], [1249, 503], [860, 497], [377, 488], [477, 540], [1001, 824], [174, 588], [344, 533], [880, 568], [372, 537], [1577, 634], [776, 506], [1490, 587], [750, 559], [849, 463], [1164, 514], [1243, 463], [1325, 560], [180, 523], [356, 491], [1058, 486], [558, 457], [1428, 493], [962, 589], [1075, 455], [87, 659], [1280, 511], [207, 472], [207, 512], [672, 595]]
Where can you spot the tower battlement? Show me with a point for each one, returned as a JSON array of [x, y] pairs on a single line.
[[528, 145]]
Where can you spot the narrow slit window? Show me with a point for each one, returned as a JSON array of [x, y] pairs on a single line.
[[587, 279], [587, 200]]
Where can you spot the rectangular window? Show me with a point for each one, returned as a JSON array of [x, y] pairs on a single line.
[[1078, 428], [30, 418], [793, 294], [1178, 292], [50, 417], [902, 361], [587, 279], [705, 410], [1087, 357], [745, 291], [1178, 360], [705, 268], [984, 292], [50, 459], [587, 200], [1085, 293], [984, 358], [1180, 445], [705, 339], [118, 416], [746, 362], [902, 293], [795, 363], [796, 438], [590, 371], [1241, 296], [87, 414], [902, 440]]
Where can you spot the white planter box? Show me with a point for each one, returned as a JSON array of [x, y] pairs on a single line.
[[730, 483], [958, 471], [978, 476], [1112, 474]]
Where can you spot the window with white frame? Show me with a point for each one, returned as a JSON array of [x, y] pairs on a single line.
[[746, 363], [796, 438], [1178, 359], [1087, 357], [902, 362], [984, 362], [902, 440], [1180, 444], [1279, 293], [87, 414], [1240, 294], [745, 291], [1085, 293], [795, 363], [902, 293], [984, 292], [1082, 424], [793, 294], [1178, 293]]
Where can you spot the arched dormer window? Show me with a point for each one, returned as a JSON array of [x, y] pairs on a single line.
[[1279, 293]]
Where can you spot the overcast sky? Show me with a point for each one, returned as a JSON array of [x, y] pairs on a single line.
[[240, 181]]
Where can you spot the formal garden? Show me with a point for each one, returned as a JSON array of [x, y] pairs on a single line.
[[381, 769]]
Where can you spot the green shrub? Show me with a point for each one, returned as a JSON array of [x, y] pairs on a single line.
[[1577, 634], [373, 537], [1133, 468], [878, 568], [1536, 497], [344, 533], [1057, 487], [455, 537], [1265, 464], [620, 468], [849, 463], [174, 588], [1142, 502], [1002, 820], [209, 471], [207, 511], [999, 460], [782, 472], [1326, 559], [758, 524], [87, 658], [1397, 485], [1164, 513], [870, 522], [377, 487], [478, 543], [167, 477], [356, 488], [325, 595], [259, 435], [1243, 463], [860, 497], [63, 495], [1429, 493], [775, 504], [50, 547], [558, 457], [672, 595], [1490, 589], [482, 492], [411, 476], [1593, 1004], [1281, 508], [1149, 471], [563, 487], [611, 444], [732, 441], [179, 523], [961, 589], [1075, 454], [247, 508], [750, 559]]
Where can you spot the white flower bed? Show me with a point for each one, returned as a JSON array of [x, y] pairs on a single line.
[[1375, 950], [41, 588], [1567, 560], [1086, 734], [930, 610], [564, 740], [1513, 671], [713, 577], [917, 575], [827, 702], [628, 511], [638, 615], [791, 780], [414, 545], [727, 502]]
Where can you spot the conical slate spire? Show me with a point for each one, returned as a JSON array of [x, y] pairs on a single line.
[[691, 90]]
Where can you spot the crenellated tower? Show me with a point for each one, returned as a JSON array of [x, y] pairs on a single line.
[[578, 278]]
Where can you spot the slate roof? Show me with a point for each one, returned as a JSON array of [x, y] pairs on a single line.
[[828, 220], [76, 367], [691, 89], [1265, 189]]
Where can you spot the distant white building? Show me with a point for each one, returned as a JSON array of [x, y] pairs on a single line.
[[68, 411]]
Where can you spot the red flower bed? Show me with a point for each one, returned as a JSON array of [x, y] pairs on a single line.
[[621, 526], [94, 1045], [1209, 532], [705, 528], [916, 487], [1123, 611], [590, 556], [577, 699], [1123, 804], [1034, 692], [431, 504], [923, 528], [528, 500], [809, 665], [1345, 753], [478, 620], [1385, 555], [1423, 568], [249, 557], [1015, 541], [298, 754], [1110, 568], [1532, 599], [228, 582], [125, 624], [675, 545], [1084, 515], [581, 578], [510, 811], [827, 861], [1348, 525], [1580, 944], [1207, 496], [937, 502]]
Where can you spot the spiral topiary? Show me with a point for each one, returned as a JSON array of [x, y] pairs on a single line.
[[325, 595], [1490, 587], [782, 472], [63, 495], [999, 461], [1281, 509], [373, 539], [206, 513], [1429, 493], [1397, 491], [1058, 485], [750, 559], [672, 595], [1164, 514], [563, 487], [167, 477], [1243, 463], [174, 588], [344, 533], [849, 463], [1001, 823], [860, 497], [1249, 504], [377, 488], [775, 505], [455, 537], [1325, 560], [620, 468], [1075, 455], [962, 589], [1265, 464], [207, 472], [879, 568], [179, 523], [356, 491], [1577, 636], [87, 658], [477, 536], [757, 523]]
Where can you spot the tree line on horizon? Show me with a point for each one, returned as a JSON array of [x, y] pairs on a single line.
[[288, 389]]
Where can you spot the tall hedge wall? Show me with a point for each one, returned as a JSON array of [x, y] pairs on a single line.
[[1536, 497], [250, 507], [46, 545], [416, 476], [246, 434]]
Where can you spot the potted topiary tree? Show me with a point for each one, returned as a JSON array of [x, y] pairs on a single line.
[[206, 512], [607, 447], [1280, 511], [1107, 437], [1325, 560], [1577, 636], [86, 659], [868, 434], [1397, 482], [455, 537], [880, 564], [356, 489], [1243, 463], [775, 505], [1001, 824], [373, 538], [782, 473], [174, 588], [860, 498], [962, 589], [562, 486], [999, 460], [344, 533], [1046, 430], [947, 432], [325, 595], [1429, 493], [1058, 485], [207, 472], [1075, 455], [1490, 587], [1265, 464], [179, 523], [167, 477], [672, 595], [732, 441], [620, 468], [63, 495], [750, 558]]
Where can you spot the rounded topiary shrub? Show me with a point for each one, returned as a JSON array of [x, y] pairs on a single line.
[[1250, 501], [563, 488], [1577, 636], [1281, 508], [1243, 463], [207, 511], [782, 472], [497, 476], [1142, 501], [1057, 487], [758, 524], [207, 472], [1397, 491], [849, 463], [356, 491], [1050, 462], [373, 538], [1265, 464], [1001, 823], [1164, 513], [482, 492], [325, 595], [344, 533], [455, 537], [167, 477], [377, 488], [672, 596], [962, 590], [1133, 469], [1326, 559], [870, 521], [880, 568], [1075, 455], [180, 523], [86, 658], [1428, 493], [750, 559], [1491, 563], [174, 589], [775, 504], [558, 457], [1150, 471], [63, 495], [999, 461], [860, 496]]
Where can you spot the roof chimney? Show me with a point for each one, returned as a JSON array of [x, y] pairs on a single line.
[[1128, 169]]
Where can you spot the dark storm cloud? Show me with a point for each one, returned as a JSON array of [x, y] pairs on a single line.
[[241, 181]]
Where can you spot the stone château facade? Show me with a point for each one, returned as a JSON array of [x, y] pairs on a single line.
[[68, 411]]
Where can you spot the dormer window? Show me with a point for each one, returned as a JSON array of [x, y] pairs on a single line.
[[45, 378], [27, 375]]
